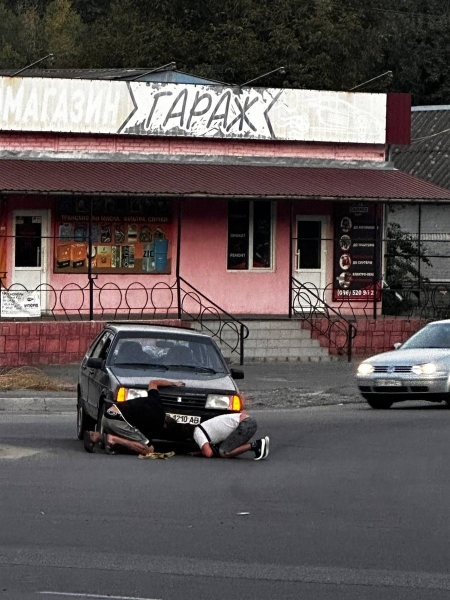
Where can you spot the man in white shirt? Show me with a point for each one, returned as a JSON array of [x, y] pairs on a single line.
[[228, 435]]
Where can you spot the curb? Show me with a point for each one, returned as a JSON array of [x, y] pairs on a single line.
[[38, 404]]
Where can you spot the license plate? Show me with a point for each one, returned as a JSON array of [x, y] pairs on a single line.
[[388, 382], [185, 419]]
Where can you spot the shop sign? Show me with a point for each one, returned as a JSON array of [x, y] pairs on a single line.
[[128, 235], [357, 252], [20, 304], [207, 111]]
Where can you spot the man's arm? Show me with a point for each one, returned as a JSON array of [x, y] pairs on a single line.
[[156, 383]]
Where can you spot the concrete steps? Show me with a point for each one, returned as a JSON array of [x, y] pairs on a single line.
[[272, 340]]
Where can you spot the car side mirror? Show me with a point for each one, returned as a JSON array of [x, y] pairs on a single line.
[[94, 363], [237, 374], [398, 345]]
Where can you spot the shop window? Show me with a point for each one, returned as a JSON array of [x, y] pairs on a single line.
[[250, 235], [128, 235]]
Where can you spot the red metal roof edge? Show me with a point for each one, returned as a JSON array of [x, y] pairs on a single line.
[[208, 180]]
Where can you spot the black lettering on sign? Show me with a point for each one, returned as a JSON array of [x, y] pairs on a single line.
[[196, 112], [156, 97], [216, 116], [173, 115], [242, 116], [266, 114]]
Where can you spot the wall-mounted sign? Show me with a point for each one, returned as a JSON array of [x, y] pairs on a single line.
[[211, 111], [357, 252], [20, 304], [129, 235]]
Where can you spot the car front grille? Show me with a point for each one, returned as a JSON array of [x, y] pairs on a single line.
[[396, 369], [183, 400]]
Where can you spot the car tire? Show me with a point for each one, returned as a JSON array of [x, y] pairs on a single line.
[[379, 403], [84, 421]]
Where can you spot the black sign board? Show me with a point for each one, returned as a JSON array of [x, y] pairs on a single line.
[[357, 252]]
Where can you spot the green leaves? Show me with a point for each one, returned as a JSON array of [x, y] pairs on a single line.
[[323, 44]]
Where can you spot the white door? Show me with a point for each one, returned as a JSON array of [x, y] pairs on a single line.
[[310, 260], [30, 249]]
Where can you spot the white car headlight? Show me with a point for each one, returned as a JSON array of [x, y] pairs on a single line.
[[232, 402], [124, 394], [365, 369], [426, 369]]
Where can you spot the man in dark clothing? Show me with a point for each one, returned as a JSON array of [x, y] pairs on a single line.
[[135, 424]]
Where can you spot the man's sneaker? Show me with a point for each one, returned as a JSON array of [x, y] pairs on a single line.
[[267, 446], [262, 448]]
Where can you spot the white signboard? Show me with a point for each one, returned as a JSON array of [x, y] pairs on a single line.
[[20, 304], [211, 111]]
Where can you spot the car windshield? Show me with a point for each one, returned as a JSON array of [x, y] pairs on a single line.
[[431, 336], [168, 352]]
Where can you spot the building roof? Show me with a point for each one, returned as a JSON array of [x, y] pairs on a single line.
[[224, 181], [428, 155], [157, 74]]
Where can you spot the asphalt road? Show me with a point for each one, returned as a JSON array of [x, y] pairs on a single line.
[[352, 504]]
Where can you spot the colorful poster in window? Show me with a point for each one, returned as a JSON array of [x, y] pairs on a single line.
[[129, 235], [357, 252]]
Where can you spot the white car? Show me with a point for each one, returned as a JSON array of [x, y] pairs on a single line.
[[419, 369]]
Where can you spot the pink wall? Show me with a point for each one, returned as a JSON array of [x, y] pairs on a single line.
[[204, 262], [204, 222], [50, 143], [46, 343]]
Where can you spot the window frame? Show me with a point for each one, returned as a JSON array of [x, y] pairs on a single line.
[[251, 236]]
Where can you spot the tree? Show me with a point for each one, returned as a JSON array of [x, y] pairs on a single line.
[[404, 280], [62, 29]]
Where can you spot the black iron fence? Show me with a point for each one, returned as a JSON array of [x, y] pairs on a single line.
[[134, 301]]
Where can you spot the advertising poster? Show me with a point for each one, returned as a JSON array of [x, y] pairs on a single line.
[[357, 252], [129, 235], [20, 304]]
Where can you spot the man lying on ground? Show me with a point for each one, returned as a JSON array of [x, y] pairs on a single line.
[[227, 436], [135, 424]]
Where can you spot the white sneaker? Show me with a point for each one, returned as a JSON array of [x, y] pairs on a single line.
[[266, 439]]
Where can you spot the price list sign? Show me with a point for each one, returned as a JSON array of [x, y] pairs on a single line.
[[357, 252]]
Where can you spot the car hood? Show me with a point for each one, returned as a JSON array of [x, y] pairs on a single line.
[[127, 378], [413, 356]]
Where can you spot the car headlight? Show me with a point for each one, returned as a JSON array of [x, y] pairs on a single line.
[[124, 394], [365, 369], [224, 402], [426, 369]]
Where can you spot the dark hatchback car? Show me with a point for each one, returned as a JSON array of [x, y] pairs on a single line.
[[124, 357]]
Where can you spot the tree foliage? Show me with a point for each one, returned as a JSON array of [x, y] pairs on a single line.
[[323, 44]]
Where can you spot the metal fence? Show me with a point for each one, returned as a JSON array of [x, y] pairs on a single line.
[[136, 301]]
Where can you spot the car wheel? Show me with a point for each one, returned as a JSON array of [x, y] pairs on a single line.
[[84, 421], [379, 403]]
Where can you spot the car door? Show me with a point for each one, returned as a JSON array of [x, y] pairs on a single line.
[[85, 372], [98, 378]]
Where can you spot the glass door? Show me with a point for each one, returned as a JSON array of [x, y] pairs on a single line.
[[310, 259], [30, 230]]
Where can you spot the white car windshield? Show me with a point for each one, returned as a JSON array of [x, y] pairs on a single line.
[[168, 353], [431, 336]]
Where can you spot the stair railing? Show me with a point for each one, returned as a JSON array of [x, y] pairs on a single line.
[[201, 309], [323, 318]]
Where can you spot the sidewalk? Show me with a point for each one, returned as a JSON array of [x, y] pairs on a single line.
[[266, 385]]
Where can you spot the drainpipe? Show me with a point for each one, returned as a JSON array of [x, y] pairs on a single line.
[[90, 278], [178, 260], [291, 249], [419, 252], [376, 273]]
